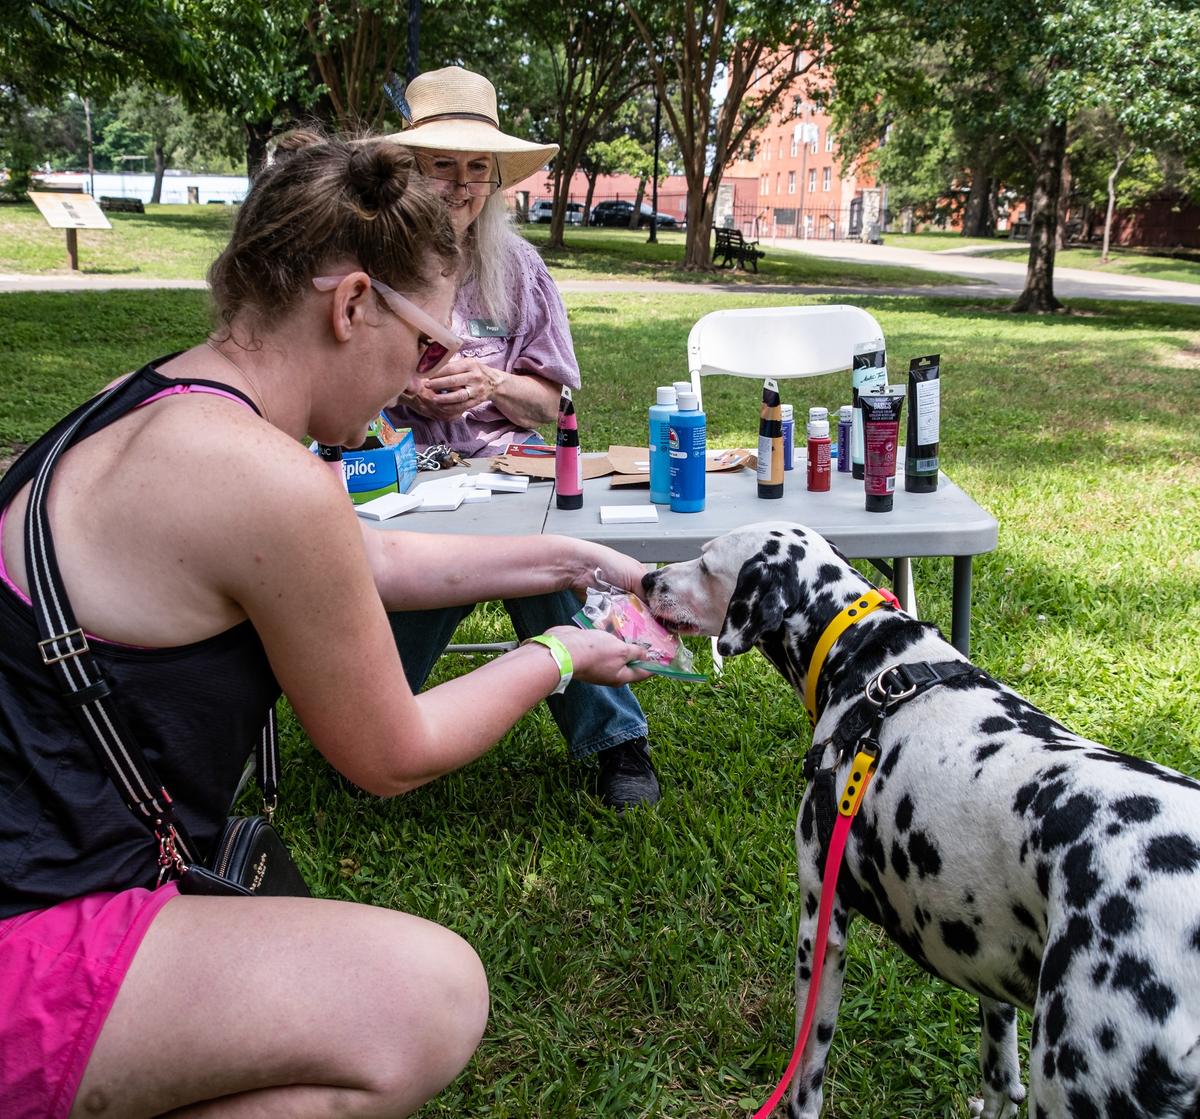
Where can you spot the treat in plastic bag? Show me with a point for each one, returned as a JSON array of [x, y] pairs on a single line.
[[629, 618]]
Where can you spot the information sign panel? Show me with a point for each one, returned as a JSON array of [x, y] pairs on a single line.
[[69, 211]]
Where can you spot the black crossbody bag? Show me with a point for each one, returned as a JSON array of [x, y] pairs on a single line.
[[250, 858]]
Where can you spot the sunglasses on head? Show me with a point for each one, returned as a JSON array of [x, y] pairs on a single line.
[[438, 343]]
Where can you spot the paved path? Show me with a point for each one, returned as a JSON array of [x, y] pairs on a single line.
[[986, 279]]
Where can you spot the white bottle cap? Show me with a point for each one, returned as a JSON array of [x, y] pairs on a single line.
[[818, 429], [688, 402], [665, 394], [682, 386], [818, 413], [846, 413], [785, 411]]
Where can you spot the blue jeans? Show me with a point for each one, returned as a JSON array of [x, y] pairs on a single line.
[[591, 717]]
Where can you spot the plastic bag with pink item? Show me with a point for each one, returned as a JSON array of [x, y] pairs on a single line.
[[613, 610]]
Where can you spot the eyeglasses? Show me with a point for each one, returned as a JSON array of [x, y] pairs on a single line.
[[478, 188], [438, 344]]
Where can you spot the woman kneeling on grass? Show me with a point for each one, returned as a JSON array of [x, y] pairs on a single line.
[[221, 562]]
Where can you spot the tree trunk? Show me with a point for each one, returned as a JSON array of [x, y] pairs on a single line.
[[975, 215], [635, 215], [1064, 203], [160, 169], [1038, 295], [559, 210], [591, 192], [258, 134], [1112, 204], [697, 256]]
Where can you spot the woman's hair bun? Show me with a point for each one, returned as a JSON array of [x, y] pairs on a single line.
[[377, 174]]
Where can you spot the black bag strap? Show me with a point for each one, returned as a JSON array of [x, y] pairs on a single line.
[[64, 647]]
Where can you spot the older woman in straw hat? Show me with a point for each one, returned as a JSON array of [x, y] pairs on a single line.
[[504, 382]]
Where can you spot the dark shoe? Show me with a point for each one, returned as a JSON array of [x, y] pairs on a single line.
[[627, 778]]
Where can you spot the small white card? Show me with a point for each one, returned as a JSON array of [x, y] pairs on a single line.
[[442, 500], [628, 514], [389, 505], [505, 483]]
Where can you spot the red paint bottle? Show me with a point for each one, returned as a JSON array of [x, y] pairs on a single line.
[[819, 472]]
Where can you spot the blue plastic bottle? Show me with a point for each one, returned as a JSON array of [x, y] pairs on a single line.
[[688, 435], [660, 449]]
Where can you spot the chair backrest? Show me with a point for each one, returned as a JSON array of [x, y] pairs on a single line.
[[778, 342]]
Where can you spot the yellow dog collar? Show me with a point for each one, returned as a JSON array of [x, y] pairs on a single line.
[[855, 612]]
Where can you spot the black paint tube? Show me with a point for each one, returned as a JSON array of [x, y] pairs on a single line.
[[924, 424]]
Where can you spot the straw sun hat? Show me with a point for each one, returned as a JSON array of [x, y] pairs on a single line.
[[455, 110]]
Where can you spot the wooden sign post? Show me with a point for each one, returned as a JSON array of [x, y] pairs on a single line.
[[70, 212]]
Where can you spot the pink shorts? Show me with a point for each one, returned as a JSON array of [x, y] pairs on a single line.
[[60, 970]]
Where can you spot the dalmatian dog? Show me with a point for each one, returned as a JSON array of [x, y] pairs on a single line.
[[1003, 853]]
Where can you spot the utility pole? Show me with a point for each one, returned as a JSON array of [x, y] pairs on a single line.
[[653, 238], [87, 116]]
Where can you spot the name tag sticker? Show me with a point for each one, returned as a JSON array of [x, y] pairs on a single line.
[[488, 328]]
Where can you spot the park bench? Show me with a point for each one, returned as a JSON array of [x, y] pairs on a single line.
[[122, 205], [733, 249]]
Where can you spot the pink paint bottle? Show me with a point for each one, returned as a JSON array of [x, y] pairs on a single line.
[[568, 463]]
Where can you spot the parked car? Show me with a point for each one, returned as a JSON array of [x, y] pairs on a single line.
[[617, 211], [543, 209]]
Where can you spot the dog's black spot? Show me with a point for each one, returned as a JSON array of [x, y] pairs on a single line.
[[1196, 938], [1024, 917], [795, 532], [921, 916], [1043, 878], [1134, 974], [924, 855], [1133, 883], [904, 813], [1172, 854], [1056, 1018], [771, 547], [1106, 946], [960, 938], [1072, 1064], [1118, 916], [1120, 1105], [899, 862], [1030, 967], [1137, 809], [987, 750], [807, 820], [1106, 1035], [827, 575], [997, 1023], [811, 904], [795, 553], [738, 613], [1024, 797], [1114, 829], [1076, 937], [1082, 1106], [1079, 876], [1048, 1069], [996, 724], [824, 1033], [1100, 974], [1158, 1088], [1064, 823], [804, 973]]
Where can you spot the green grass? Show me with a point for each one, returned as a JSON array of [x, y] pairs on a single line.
[[166, 243], [180, 242], [641, 966], [1184, 268], [933, 241]]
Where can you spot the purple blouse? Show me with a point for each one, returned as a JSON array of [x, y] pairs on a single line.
[[538, 340]]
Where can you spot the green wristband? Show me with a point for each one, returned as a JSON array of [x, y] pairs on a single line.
[[562, 658]]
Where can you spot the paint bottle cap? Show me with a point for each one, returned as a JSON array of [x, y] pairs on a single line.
[[846, 413], [785, 412], [817, 413], [818, 429], [665, 394], [688, 402], [682, 386]]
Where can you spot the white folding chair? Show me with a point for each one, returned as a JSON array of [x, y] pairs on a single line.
[[783, 343]]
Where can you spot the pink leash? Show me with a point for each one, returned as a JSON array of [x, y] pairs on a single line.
[[861, 773]]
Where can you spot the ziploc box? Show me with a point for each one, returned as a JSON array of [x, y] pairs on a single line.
[[386, 464]]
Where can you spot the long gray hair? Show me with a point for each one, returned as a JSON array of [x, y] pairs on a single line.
[[490, 251]]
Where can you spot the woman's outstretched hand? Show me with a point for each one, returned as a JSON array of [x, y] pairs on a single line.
[[599, 657]]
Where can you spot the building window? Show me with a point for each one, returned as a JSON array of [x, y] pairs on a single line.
[[778, 180], [780, 147], [762, 186], [797, 106], [816, 139], [812, 181], [767, 150], [825, 178], [829, 139], [791, 182], [795, 144]]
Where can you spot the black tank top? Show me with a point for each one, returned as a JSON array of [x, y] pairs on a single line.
[[196, 711]]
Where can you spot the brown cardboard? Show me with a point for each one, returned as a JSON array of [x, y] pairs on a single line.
[[593, 466]]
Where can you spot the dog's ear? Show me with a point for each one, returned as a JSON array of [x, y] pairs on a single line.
[[766, 593]]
